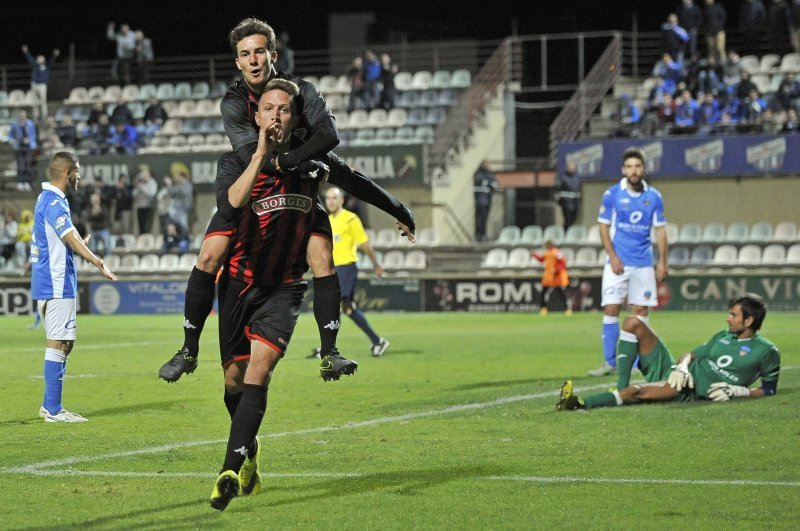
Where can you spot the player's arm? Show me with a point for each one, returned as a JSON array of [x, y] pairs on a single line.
[[77, 244], [661, 244], [239, 126], [324, 135], [239, 191], [605, 237], [361, 187], [377, 268], [768, 373]]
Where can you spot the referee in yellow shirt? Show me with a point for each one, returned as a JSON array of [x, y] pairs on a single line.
[[348, 237]]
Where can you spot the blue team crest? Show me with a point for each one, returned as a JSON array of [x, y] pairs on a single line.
[[648, 294], [60, 222], [646, 202], [744, 350]]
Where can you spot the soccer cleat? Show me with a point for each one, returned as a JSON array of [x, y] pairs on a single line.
[[379, 348], [43, 411], [334, 365], [315, 353], [250, 474], [543, 311], [181, 363], [604, 370], [226, 488], [64, 416], [567, 312], [568, 400]]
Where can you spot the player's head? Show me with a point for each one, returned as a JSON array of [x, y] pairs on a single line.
[[64, 170], [276, 107], [254, 44], [334, 199], [549, 244], [633, 166], [746, 312]]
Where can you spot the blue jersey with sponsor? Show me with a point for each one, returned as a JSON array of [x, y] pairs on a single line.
[[632, 215], [53, 273]]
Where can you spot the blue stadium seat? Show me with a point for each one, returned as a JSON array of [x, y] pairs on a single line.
[[678, 255], [436, 116], [701, 255], [417, 116]]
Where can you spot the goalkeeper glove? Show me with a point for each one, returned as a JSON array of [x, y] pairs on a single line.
[[310, 169], [721, 391], [680, 377]]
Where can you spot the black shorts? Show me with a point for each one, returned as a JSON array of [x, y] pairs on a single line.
[[248, 313], [219, 226]]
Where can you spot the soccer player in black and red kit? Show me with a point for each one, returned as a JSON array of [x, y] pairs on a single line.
[[254, 43], [275, 214]]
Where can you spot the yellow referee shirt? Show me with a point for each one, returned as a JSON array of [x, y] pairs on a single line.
[[348, 234]]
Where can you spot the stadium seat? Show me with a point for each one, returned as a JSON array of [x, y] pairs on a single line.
[[519, 257], [166, 91], [672, 232], [762, 81], [593, 235], [397, 118], [531, 235], [408, 99], [192, 126], [172, 126], [749, 254], [569, 255], [364, 137], [149, 263], [219, 89], [130, 262], [575, 235], [509, 235], [393, 260], [168, 262], [205, 107], [201, 90], [447, 98], [690, 233], [773, 254], [145, 243], [386, 238], [343, 85], [96, 93], [678, 255], [415, 259], [429, 98], [460, 79], [187, 261], [402, 81], [785, 231], [384, 135], [761, 232], [421, 80], [713, 233], [196, 141], [377, 118], [790, 63], [183, 90], [327, 84], [495, 258], [749, 63], [554, 233], [185, 109], [436, 116], [112, 261], [424, 134], [441, 79], [148, 91], [737, 232], [357, 119], [77, 95], [701, 255], [417, 116], [769, 63], [137, 109], [793, 254], [113, 93], [725, 255], [177, 141], [427, 237], [585, 257]]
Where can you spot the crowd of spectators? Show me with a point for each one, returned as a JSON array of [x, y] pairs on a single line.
[[372, 82]]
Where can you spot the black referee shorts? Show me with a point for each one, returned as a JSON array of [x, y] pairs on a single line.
[[256, 313]]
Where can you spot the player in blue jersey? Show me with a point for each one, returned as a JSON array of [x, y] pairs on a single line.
[[722, 368], [54, 278], [628, 213]]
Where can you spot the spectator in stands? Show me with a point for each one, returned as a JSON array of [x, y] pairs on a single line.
[[484, 185], [661, 118], [97, 135], [779, 23], [98, 109], [690, 18], [709, 76], [670, 71], [707, 115], [176, 239], [788, 92], [154, 117], [24, 235], [164, 202], [67, 132], [752, 16], [123, 203], [388, 90], [285, 61], [48, 136], [182, 195], [356, 76], [715, 16], [40, 77], [793, 21], [78, 199], [124, 139], [8, 235], [144, 57], [126, 49], [745, 86], [569, 194], [372, 80], [628, 117], [685, 113], [732, 69], [144, 192], [791, 125], [753, 108], [674, 38], [99, 225], [24, 141], [122, 113]]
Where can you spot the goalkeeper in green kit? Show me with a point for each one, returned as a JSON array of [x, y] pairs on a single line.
[[724, 367]]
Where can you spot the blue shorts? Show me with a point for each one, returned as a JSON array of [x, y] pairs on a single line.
[[348, 275]]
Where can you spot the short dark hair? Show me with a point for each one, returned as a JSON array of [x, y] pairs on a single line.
[[633, 153], [289, 87], [752, 305], [62, 160], [252, 26]]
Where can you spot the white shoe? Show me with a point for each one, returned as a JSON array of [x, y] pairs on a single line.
[[380, 347], [604, 370], [27, 187], [64, 416], [43, 412]]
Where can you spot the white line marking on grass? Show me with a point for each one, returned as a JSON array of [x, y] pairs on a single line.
[[651, 481]]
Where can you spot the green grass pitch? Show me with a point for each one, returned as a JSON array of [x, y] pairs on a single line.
[[454, 427]]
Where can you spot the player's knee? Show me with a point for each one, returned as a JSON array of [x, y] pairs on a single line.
[[631, 323]]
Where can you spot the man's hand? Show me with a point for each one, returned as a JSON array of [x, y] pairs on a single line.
[[680, 377], [405, 231], [24, 48], [661, 271], [378, 270], [106, 272], [722, 392], [617, 266]]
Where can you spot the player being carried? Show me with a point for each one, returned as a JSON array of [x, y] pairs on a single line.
[[724, 367], [254, 44]]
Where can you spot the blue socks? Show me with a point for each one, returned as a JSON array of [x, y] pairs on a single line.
[[610, 338], [55, 364], [358, 317]]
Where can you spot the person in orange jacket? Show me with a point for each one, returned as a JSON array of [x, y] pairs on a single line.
[[555, 276]]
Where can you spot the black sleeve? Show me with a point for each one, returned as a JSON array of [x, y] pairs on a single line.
[[324, 135], [358, 185], [239, 126], [229, 168]]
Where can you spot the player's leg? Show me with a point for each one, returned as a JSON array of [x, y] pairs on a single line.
[[546, 291], [327, 297], [614, 291], [59, 317], [636, 339], [348, 276], [641, 296]]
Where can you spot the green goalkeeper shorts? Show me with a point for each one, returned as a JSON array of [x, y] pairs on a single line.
[[657, 365]]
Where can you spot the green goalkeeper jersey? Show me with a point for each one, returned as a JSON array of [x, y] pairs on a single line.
[[726, 358]]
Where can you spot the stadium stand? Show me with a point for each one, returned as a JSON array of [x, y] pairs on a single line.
[[519, 257], [509, 235], [531, 235], [495, 258], [785, 231]]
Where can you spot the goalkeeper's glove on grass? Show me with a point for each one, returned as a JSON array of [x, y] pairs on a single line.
[[721, 391]]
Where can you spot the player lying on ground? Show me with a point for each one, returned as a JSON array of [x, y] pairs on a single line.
[[724, 367]]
